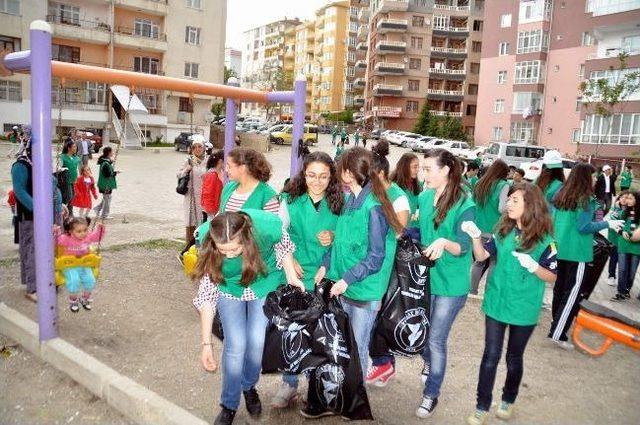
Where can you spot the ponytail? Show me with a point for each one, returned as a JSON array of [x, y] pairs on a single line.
[[453, 191]]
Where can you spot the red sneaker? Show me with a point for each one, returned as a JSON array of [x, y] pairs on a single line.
[[384, 381], [377, 373]]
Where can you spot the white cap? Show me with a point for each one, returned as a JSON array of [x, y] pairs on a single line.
[[552, 159], [606, 167], [197, 139], [15, 127]]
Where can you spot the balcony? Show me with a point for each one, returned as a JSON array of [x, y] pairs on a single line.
[[359, 82], [451, 30], [389, 68], [362, 46], [451, 8], [358, 100], [386, 46], [387, 111], [389, 25], [387, 90], [361, 64], [154, 7], [363, 14], [129, 37], [454, 74], [363, 31], [447, 113], [448, 52], [393, 5], [79, 30], [445, 94]]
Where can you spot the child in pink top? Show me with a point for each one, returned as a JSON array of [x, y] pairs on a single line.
[[76, 241]]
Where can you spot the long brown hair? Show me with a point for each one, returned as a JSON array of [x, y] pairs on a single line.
[[256, 163], [578, 188], [359, 162], [223, 229], [402, 174], [536, 220], [453, 191], [499, 170], [548, 175]]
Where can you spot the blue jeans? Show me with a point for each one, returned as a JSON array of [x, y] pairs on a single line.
[[244, 325], [627, 268], [362, 320], [443, 313], [79, 277], [613, 262]]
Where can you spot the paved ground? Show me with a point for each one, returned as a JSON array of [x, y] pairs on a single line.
[[144, 326]]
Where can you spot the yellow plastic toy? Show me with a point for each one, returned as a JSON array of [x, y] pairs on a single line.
[[189, 260], [62, 262]]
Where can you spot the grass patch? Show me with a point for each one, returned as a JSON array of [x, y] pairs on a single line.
[[8, 262], [150, 244]]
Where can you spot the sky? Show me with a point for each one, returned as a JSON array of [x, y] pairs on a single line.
[[243, 15]]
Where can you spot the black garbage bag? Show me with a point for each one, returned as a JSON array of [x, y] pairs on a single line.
[[337, 384], [292, 316], [63, 183], [601, 250], [402, 325]]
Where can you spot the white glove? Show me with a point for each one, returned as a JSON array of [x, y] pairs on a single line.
[[615, 225], [526, 261], [470, 228]]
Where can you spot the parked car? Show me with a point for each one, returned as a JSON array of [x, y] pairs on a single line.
[[533, 169], [397, 137], [459, 149], [284, 136], [375, 134], [473, 153], [512, 153], [408, 139], [423, 144], [274, 128], [385, 135], [182, 142], [90, 134]]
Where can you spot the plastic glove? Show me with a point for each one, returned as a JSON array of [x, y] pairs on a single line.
[[615, 225], [470, 228], [526, 261]]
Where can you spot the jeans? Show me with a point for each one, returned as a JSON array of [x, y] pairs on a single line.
[[244, 325], [79, 277], [613, 262], [26, 248], [362, 319], [627, 268], [103, 208], [493, 341], [443, 313]]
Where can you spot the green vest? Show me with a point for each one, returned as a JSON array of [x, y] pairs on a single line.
[[572, 245], [625, 179], [551, 190], [451, 275], [351, 245], [625, 246], [106, 183], [267, 231], [303, 230], [413, 203], [488, 215], [514, 295], [71, 163]]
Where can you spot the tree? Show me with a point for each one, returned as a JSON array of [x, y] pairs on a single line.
[[425, 120], [602, 95], [218, 109], [278, 80], [453, 129], [228, 73]]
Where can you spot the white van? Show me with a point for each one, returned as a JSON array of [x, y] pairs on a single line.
[[512, 153]]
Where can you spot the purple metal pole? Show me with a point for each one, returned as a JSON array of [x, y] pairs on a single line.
[[18, 61], [40, 37], [230, 123], [281, 97], [300, 92]]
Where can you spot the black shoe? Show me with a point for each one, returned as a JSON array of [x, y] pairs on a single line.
[[315, 412], [626, 296], [252, 401], [619, 297], [86, 304], [425, 373], [427, 407], [225, 417]]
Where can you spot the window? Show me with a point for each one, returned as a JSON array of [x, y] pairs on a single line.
[[471, 110], [11, 7], [578, 104], [614, 77], [192, 35], [498, 106], [412, 106], [477, 25], [503, 48], [496, 133], [575, 135], [476, 46], [534, 11], [328, 56], [194, 4], [526, 103], [529, 72], [417, 21], [146, 65], [624, 129], [415, 63], [351, 42], [11, 44], [440, 22], [329, 41], [502, 77], [351, 71], [607, 7], [146, 28], [416, 42], [474, 68], [96, 93], [65, 53], [523, 132], [191, 70], [587, 39], [631, 45], [413, 85], [505, 21], [532, 41], [472, 89], [581, 71], [330, 26], [185, 104], [62, 13], [10, 91]]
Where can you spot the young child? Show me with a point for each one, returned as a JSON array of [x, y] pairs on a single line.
[[84, 188], [76, 240], [339, 150]]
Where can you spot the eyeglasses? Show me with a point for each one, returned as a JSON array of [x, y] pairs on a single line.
[[320, 177]]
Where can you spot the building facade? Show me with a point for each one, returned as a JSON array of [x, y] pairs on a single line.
[[233, 61], [182, 39], [420, 51], [536, 53]]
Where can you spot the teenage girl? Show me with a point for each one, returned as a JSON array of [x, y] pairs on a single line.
[[406, 176], [628, 246]]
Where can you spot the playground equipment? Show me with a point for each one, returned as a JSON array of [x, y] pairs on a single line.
[[38, 63]]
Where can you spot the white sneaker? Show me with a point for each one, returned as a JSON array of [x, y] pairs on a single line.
[[611, 281], [565, 345], [285, 397]]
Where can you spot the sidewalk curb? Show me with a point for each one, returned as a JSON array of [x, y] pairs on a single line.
[[130, 398]]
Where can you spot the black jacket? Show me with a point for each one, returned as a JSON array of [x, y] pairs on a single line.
[[601, 186]]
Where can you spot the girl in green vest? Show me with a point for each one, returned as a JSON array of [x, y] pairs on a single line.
[[471, 175], [616, 213], [106, 182], [444, 206], [525, 259], [552, 175], [238, 265], [628, 246], [70, 161], [573, 214], [490, 195], [309, 209], [626, 178], [406, 176], [383, 367], [361, 257]]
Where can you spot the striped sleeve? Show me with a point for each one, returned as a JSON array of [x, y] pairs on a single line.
[[272, 206]]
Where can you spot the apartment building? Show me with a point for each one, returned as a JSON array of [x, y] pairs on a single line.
[[535, 55], [421, 51], [182, 39], [304, 59], [233, 60]]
